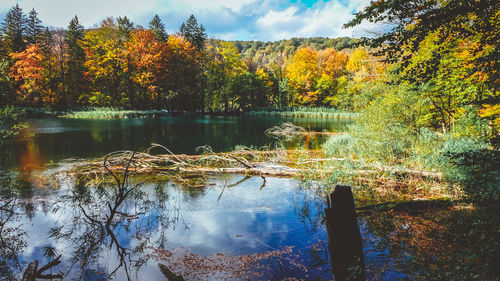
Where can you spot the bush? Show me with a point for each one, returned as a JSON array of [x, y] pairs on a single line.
[[11, 122], [473, 165]]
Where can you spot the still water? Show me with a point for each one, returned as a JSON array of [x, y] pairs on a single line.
[[231, 228], [54, 139]]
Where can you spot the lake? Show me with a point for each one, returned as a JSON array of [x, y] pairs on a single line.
[[54, 139], [228, 228]]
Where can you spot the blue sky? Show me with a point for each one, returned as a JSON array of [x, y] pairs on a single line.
[[266, 20]]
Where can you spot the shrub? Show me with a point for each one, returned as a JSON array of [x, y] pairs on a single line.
[[473, 165], [11, 122]]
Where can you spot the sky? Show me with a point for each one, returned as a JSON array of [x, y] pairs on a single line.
[[265, 20]]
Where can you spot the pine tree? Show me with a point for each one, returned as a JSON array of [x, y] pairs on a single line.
[[124, 27], [34, 28], [194, 33], [14, 30], [46, 41], [76, 57], [158, 28]]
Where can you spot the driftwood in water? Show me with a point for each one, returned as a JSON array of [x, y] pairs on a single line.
[[344, 239], [32, 272]]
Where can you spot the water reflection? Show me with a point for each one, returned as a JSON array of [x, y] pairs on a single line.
[[117, 231], [273, 233], [55, 139]]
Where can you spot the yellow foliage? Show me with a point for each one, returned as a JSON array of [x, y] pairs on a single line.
[[491, 111]]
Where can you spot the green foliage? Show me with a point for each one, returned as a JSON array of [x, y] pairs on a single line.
[[194, 32], [34, 28], [390, 125], [75, 60], [158, 28], [473, 165], [11, 122], [14, 30], [301, 111], [469, 124]]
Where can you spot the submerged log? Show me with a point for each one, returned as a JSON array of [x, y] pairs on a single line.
[[344, 239]]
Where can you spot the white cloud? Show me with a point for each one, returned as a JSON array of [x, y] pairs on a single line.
[[225, 19], [323, 19], [234, 5], [277, 18]]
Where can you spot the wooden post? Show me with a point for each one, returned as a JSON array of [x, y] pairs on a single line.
[[344, 239]]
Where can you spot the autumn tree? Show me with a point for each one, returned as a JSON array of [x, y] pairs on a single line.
[[147, 66], [183, 70], [27, 71], [422, 40], [224, 64], [303, 73], [104, 65]]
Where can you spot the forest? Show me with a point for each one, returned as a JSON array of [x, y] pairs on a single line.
[[127, 66], [117, 120]]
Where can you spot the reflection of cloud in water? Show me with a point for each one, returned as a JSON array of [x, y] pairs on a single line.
[[245, 220]]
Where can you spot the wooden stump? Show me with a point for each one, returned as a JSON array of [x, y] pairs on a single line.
[[344, 239]]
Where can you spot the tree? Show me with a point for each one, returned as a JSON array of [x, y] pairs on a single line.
[[14, 29], [75, 59], [303, 74], [147, 65], [158, 28], [194, 33], [105, 65], [413, 21], [34, 28], [125, 26], [449, 47], [332, 63], [183, 68], [224, 64], [27, 71]]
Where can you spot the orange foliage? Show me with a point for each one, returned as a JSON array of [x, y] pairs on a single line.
[[147, 57], [332, 63], [28, 70]]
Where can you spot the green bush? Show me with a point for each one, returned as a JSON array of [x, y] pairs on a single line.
[[11, 122], [473, 165]]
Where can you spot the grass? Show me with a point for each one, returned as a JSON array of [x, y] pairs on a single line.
[[111, 113], [312, 112]]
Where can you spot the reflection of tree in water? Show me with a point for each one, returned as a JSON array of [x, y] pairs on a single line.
[[113, 216], [11, 235], [449, 244], [16, 205]]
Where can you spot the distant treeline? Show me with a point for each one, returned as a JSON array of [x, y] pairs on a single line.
[[129, 66]]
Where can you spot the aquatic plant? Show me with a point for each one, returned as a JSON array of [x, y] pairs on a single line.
[[312, 112], [111, 113]]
